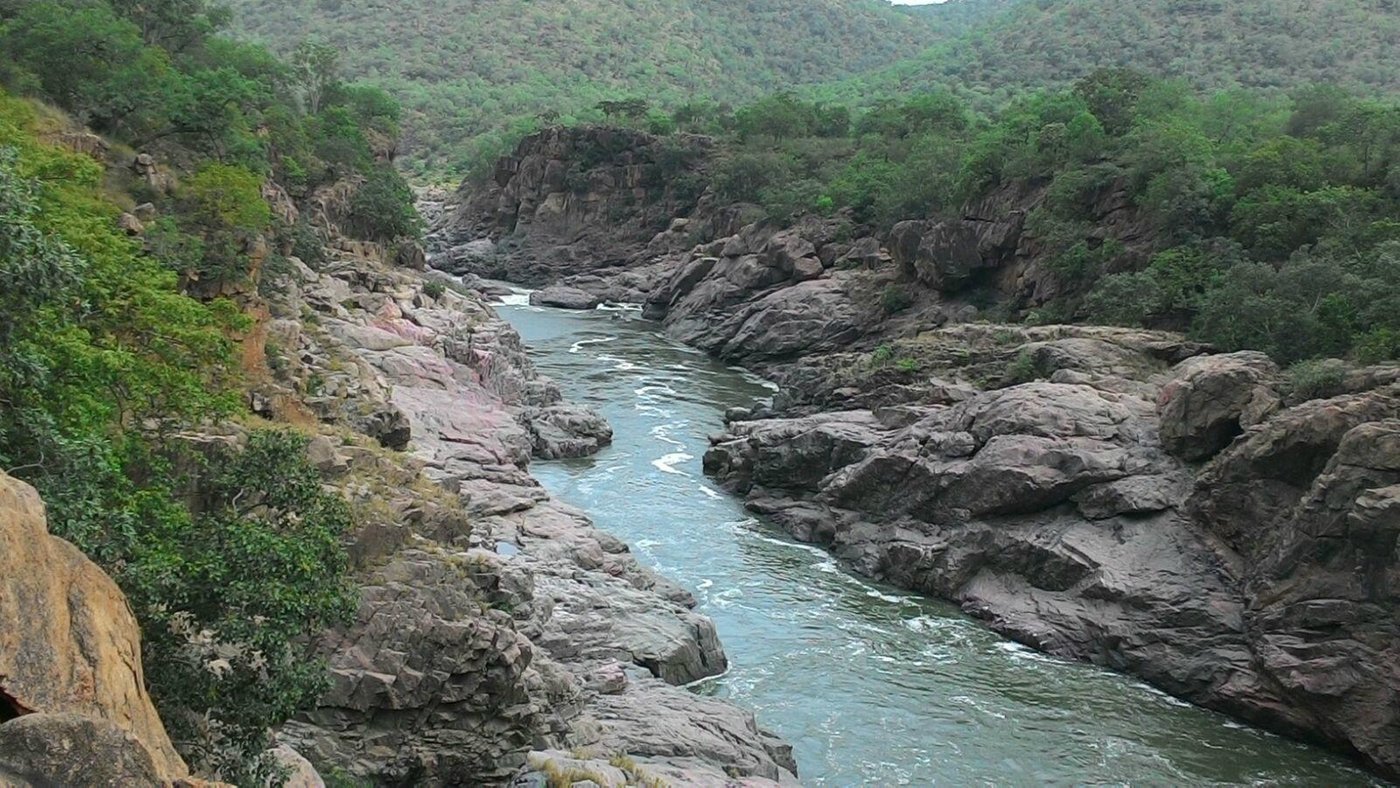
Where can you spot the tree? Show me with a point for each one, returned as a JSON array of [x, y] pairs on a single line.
[[1112, 95], [317, 70], [232, 596]]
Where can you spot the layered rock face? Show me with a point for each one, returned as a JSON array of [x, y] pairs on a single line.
[[494, 621], [573, 201], [73, 699], [1107, 511]]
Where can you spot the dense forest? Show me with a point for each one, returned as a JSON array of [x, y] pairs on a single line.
[[129, 262], [1212, 44], [471, 74], [1255, 219], [475, 75]]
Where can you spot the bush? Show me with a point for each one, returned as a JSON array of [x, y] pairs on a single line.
[[1316, 379], [229, 599], [434, 288], [223, 205], [1022, 369], [382, 208]]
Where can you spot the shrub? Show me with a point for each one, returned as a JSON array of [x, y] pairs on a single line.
[[434, 288], [1022, 368], [223, 205], [1316, 379], [382, 208], [230, 597]]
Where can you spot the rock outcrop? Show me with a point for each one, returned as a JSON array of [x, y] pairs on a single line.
[[1124, 497], [494, 621], [570, 200], [72, 693], [1061, 512]]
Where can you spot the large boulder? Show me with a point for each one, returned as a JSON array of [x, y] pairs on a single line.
[[1212, 399], [1311, 501], [69, 644], [74, 751], [565, 298], [563, 431], [428, 686]]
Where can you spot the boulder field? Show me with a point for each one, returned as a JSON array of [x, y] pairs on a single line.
[[1124, 497]]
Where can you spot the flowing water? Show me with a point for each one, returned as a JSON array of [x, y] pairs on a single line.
[[871, 685]]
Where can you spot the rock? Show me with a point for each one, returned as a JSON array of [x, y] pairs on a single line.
[[388, 425], [145, 212], [74, 751], [322, 453], [425, 686], [69, 645], [156, 177], [300, 772], [785, 249], [129, 224], [562, 431], [463, 659], [462, 259], [564, 298], [1212, 399], [806, 268], [1311, 500], [864, 253], [573, 200]]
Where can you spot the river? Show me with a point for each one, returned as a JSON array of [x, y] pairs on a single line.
[[871, 685]]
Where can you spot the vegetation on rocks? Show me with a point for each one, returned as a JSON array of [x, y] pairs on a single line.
[[1252, 220], [118, 352]]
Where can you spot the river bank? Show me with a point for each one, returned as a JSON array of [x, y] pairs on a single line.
[[871, 685], [1124, 497]]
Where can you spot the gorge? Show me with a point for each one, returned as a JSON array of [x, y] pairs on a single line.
[[1120, 496], [872, 685], [1000, 392]]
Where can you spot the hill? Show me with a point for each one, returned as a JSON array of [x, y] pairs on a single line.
[[1210, 43], [473, 70]]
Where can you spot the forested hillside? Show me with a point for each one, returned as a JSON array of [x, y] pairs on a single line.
[[469, 70], [1210, 43], [1249, 219], [150, 173]]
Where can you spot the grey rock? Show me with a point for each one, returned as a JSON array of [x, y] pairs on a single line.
[[41, 750], [564, 298], [1212, 399]]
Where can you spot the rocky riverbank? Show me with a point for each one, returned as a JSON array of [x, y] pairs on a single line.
[[1123, 497], [499, 632], [501, 639]]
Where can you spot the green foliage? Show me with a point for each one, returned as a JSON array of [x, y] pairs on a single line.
[[434, 288], [93, 63], [152, 74], [1009, 46], [1317, 378], [382, 208], [232, 562], [1252, 221], [896, 298], [1022, 369], [231, 597], [470, 75]]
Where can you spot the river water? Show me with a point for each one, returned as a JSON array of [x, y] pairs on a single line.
[[871, 685]]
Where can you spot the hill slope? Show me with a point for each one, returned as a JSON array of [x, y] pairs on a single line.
[[466, 68], [1211, 43]]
